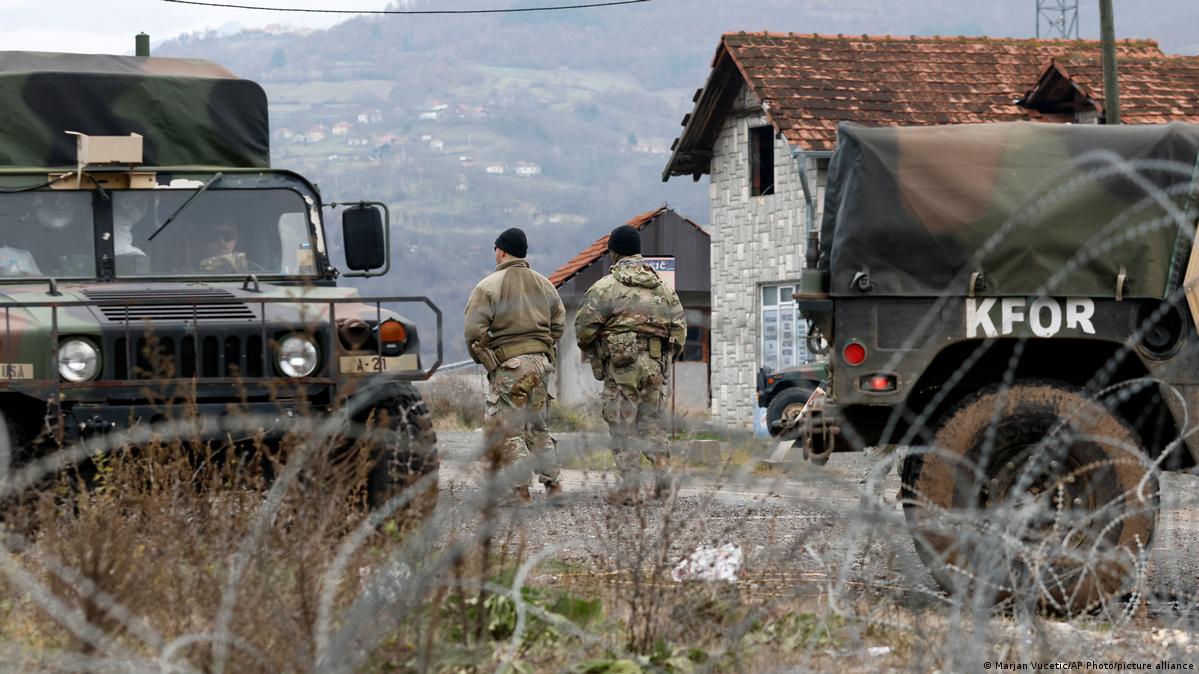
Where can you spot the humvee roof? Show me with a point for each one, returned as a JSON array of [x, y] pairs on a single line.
[[922, 209], [191, 112]]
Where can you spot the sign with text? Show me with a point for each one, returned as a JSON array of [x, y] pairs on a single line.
[[665, 268]]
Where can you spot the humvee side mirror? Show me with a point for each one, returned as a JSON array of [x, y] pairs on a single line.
[[364, 238]]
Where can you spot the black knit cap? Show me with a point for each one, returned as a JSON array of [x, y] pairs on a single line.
[[625, 240], [513, 242]]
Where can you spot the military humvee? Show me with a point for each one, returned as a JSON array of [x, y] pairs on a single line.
[[154, 267], [1014, 303]]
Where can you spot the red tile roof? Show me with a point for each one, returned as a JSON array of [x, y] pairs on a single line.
[[1153, 89], [598, 249], [810, 83]]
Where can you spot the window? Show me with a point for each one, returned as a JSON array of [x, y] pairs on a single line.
[[696, 348], [761, 161], [784, 331]]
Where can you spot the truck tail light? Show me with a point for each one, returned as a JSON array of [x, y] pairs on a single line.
[[854, 354], [878, 383]]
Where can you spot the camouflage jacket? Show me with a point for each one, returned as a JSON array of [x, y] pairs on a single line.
[[512, 305], [630, 299]]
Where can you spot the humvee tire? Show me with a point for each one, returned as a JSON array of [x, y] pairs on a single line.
[[1066, 507], [404, 450], [786, 405]]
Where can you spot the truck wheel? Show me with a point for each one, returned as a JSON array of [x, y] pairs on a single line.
[[786, 406], [1032, 492], [403, 451]]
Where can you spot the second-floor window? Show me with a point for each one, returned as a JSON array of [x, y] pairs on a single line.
[[761, 161]]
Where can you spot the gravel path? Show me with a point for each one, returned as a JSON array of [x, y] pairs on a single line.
[[808, 522]]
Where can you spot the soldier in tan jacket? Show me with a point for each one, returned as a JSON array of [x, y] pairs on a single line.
[[514, 318]]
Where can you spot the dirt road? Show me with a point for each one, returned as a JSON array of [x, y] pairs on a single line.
[[841, 521]]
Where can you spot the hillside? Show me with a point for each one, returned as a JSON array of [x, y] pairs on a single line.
[[559, 123]]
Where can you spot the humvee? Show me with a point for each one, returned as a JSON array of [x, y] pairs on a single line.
[[154, 268], [1015, 304]]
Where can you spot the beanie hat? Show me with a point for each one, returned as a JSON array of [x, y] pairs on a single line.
[[625, 240], [513, 242]]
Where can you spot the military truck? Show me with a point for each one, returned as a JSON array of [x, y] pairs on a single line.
[[154, 268], [1014, 303]]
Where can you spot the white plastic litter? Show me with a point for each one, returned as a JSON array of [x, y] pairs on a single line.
[[710, 563]]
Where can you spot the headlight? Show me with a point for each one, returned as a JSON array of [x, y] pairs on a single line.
[[78, 360], [298, 356]]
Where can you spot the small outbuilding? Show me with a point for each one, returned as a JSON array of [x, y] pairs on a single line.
[[680, 250]]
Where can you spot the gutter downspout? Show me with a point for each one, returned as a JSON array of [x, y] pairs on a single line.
[[812, 240]]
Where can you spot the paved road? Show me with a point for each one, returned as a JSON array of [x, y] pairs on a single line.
[[838, 521]]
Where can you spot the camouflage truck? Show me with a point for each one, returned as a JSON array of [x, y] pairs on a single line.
[[1014, 304], [154, 269]]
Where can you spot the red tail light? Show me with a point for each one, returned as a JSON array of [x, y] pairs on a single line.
[[854, 354]]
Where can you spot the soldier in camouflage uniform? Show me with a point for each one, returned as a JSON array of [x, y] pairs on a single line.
[[631, 327], [514, 318]]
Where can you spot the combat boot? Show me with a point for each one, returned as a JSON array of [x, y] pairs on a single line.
[[521, 495], [663, 484], [553, 493], [623, 496]]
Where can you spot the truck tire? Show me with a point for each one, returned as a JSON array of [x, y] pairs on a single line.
[[785, 405], [1035, 492], [403, 451]]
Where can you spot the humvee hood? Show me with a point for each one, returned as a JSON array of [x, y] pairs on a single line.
[[632, 271]]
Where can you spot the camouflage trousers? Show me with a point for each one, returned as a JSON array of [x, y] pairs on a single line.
[[633, 406], [515, 420]]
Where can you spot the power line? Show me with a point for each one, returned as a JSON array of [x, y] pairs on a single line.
[[509, 10]]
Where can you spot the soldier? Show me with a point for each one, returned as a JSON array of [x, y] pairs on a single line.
[[631, 327], [514, 318]]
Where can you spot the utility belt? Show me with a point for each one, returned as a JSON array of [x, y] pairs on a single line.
[[652, 344], [493, 358], [623, 348], [509, 351]]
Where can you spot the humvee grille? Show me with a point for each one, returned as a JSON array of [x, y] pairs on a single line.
[[167, 357], [114, 305]]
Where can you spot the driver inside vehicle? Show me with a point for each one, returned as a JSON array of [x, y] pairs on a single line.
[[219, 253]]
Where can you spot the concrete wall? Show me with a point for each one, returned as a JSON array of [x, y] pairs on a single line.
[[755, 241]]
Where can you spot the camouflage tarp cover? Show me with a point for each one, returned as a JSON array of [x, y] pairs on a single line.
[[191, 112], [920, 209]]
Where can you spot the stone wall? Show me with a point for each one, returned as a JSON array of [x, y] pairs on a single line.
[[755, 241]]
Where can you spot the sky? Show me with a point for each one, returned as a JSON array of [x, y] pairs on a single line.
[[108, 26]]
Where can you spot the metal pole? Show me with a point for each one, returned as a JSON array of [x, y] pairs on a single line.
[[1111, 82]]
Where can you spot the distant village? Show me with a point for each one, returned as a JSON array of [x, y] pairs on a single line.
[[366, 137]]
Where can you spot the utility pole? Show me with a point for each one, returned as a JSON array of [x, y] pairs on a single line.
[[1111, 82]]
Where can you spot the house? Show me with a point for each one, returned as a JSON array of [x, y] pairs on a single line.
[[342, 128], [436, 145], [316, 134], [497, 169], [764, 125], [682, 249], [370, 117], [527, 169], [430, 116]]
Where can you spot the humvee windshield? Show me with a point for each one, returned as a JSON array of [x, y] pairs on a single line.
[[47, 234], [220, 233]]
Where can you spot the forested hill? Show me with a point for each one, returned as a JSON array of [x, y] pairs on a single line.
[[557, 122]]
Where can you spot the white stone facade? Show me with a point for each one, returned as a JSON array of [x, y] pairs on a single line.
[[755, 241]]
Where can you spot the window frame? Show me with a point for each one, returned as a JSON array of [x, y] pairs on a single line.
[[761, 161]]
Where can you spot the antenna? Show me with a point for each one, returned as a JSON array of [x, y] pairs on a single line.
[[1057, 19]]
